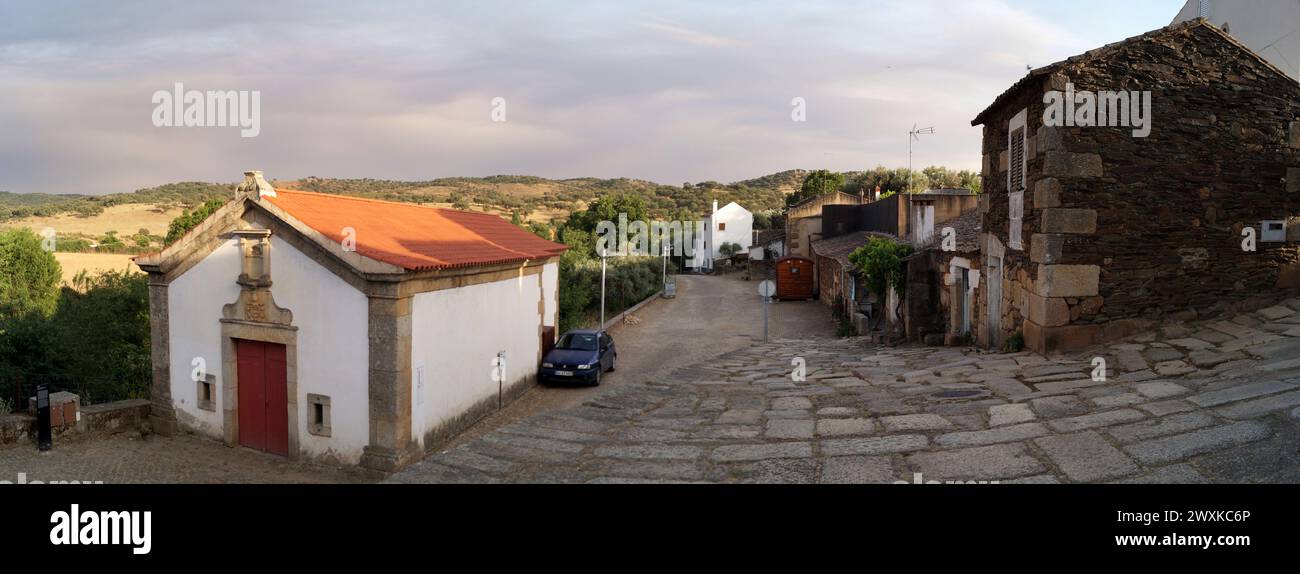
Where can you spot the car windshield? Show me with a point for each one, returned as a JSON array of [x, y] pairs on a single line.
[[577, 342]]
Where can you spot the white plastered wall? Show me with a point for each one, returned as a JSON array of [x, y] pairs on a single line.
[[332, 319], [455, 336], [333, 350]]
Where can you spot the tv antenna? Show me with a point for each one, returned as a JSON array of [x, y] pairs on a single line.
[[914, 136]]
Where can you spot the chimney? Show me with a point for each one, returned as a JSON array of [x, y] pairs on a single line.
[[254, 186], [715, 206]]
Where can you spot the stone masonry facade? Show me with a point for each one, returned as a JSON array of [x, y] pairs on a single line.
[[1120, 232]]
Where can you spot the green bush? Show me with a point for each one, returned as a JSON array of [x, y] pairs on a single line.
[[628, 281], [95, 344], [189, 220], [29, 275], [880, 262], [1015, 343]]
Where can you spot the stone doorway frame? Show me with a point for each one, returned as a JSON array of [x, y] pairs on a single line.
[[254, 316], [287, 335]]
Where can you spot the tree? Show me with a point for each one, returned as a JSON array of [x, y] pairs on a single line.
[[888, 180], [608, 208], [762, 221], [459, 201], [892, 181], [729, 250], [817, 183], [95, 343], [543, 230], [29, 275]]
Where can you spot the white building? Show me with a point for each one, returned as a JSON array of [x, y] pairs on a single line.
[[768, 244], [731, 224], [1271, 28], [342, 329]]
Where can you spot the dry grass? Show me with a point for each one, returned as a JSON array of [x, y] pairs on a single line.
[[124, 219], [93, 263], [543, 215]]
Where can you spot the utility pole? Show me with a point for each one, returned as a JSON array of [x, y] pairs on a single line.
[[914, 136]]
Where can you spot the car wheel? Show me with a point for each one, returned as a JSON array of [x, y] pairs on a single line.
[[596, 382]]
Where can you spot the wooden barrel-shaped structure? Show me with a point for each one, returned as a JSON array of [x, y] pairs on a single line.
[[794, 279]]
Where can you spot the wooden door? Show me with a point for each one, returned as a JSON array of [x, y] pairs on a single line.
[[994, 292], [964, 298], [263, 396]]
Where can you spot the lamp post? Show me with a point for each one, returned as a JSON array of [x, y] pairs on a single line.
[[914, 136], [665, 250], [603, 254]]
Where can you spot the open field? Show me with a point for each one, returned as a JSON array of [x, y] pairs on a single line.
[[542, 215], [124, 219], [93, 263]]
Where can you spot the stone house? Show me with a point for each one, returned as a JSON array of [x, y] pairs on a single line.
[[942, 284], [342, 329], [838, 284], [906, 219], [1269, 27], [1091, 234], [803, 220], [909, 217]]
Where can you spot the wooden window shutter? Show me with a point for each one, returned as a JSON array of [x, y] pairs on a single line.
[[1016, 179]]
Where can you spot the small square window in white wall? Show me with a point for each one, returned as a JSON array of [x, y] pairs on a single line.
[[318, 415], [1017, 165], [207, 393]]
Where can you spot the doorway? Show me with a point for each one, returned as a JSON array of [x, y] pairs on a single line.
[[263, 396], [995, 302], [964, 303]]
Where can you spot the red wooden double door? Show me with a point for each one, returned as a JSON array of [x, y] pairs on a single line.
[[263, 396]]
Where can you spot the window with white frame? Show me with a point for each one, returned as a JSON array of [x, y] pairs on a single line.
[[1017, 162]]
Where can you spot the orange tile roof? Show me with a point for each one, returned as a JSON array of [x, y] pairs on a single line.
[[412, 236]]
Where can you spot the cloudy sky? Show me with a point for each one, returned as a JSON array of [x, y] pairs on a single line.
[[665, 91]]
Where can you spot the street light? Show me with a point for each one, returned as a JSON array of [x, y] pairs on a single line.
[[665, 250], [914, 136], [603, 254]]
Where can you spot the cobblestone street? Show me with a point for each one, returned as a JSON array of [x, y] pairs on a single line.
[[1210, 402], [184, 459], [1216, 401]]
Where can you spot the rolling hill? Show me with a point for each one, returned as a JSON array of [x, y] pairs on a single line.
[[534, 198]]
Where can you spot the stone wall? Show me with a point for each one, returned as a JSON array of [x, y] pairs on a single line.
[[1019, 273], [101, 419], [1122, 231], [829, 289], [1166, 212]]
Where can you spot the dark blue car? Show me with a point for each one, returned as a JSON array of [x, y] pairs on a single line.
[[580, 356]]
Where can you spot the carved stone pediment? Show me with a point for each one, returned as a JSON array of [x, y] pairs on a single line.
[[255, 303], [257, 306]]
